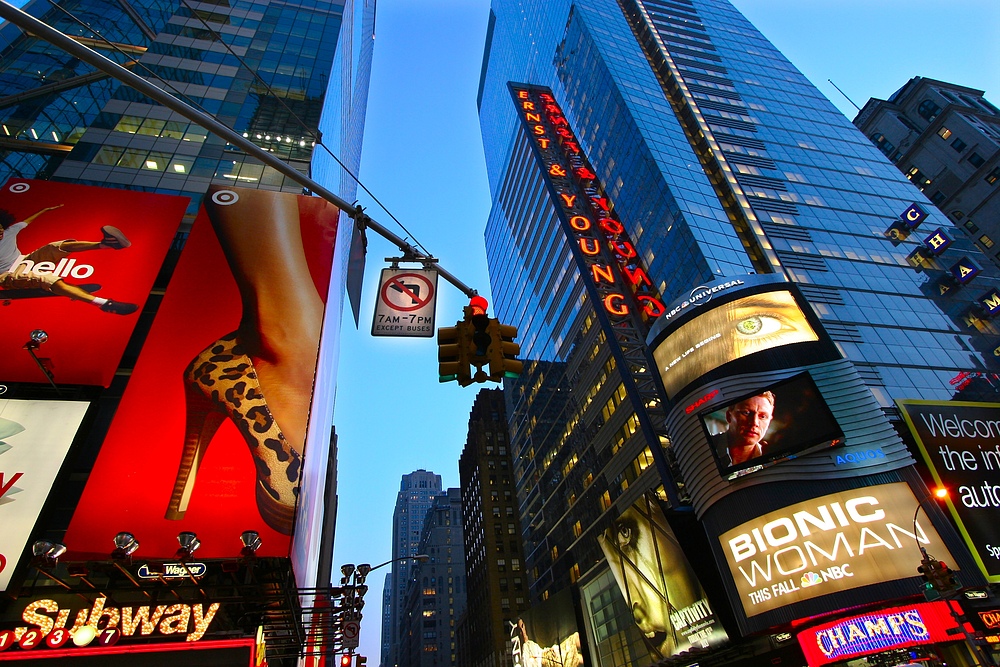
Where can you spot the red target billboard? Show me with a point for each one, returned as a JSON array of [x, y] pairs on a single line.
[[77, 263], [209, 437]]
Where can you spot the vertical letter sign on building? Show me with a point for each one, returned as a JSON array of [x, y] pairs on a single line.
[[959, 443], [209, 436], [404, 306]]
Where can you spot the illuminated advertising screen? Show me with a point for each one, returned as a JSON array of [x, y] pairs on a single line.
[[548, 635], [960, 443], [209, 434], [719, 334], [772, 424], [878, 631], [836, 542], [668, 604], [77, 262], [34, 439]]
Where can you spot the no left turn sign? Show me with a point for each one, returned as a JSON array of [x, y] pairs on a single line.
[[406, 303]]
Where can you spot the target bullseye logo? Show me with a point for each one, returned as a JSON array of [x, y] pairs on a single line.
[[19, 188], [225, 197]]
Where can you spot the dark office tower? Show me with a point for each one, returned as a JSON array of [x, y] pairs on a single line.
[[272, 71], [496, 581], [435, 594], [416, 493], [652, 163], [946, 139]]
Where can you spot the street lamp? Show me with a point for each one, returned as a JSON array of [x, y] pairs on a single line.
[[940, 493]]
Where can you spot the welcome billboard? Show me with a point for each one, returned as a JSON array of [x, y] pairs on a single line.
[[34, 439], [209, 437], [78, 263], [960, 443]]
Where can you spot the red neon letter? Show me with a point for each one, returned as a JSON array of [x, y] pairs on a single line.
[[559, 121], [624, 249], [614, 304], [611, 226], [579, 223], [602, 272], [637, 276], [600, 202], [589, 246], [586, 174], [653, 307], [572, 146]]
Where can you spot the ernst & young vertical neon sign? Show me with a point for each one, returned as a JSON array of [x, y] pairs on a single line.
[[599, 240]]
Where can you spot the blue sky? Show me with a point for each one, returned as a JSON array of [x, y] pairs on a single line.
[[423, 158]]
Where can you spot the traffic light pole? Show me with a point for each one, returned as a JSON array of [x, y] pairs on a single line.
[[42, 30]]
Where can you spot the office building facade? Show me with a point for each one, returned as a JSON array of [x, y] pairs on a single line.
[[494, 558], [946, 139], [416, 495], [280, 75], [644, 159], [435, 594]]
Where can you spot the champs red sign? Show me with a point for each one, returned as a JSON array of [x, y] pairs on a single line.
[[210, 433], [77, 263]]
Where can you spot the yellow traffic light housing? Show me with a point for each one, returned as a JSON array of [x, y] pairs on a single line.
[[453, 351], [503, 352]]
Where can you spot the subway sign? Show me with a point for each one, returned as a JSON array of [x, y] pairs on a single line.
[[609, 260]]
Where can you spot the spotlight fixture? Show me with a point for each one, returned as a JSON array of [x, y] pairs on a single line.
[[36, 338], [347, 570], [251, 542], [47, 553], [189, 543], [364, 569], [125, 545]]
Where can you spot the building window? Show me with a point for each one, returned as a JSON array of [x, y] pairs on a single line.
[[971, 226], [605, 501], [976, 160], [938, 198], [986, 241], [883, 144], [993, 176], [944, 133], [918, 178], [574, 573], [928, 110], [958, 145], [555, 552]]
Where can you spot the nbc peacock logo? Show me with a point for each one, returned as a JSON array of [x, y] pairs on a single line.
[[810, 579]]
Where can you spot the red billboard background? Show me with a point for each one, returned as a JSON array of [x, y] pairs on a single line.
[[134, 480], [85, 343]]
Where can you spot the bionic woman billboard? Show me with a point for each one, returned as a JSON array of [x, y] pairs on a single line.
[[210, 433], [835, 542], [960, 442]]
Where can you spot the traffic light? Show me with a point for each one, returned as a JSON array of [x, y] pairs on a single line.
[[453, 350], [503, 352], [345, 660], [479, 342], [926, 571], [943, 578], [362, 661]]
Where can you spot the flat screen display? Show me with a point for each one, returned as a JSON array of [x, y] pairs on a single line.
[[728, 332], [778, 422]]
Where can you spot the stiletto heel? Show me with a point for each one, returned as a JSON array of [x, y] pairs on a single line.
[[203, 420], [222, 382]]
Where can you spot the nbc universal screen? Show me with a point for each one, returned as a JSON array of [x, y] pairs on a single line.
[[209, 435], [835, 542], [774, 423], [656, 579], [34, 439], [960, 443], [719, 328], [77, 262]]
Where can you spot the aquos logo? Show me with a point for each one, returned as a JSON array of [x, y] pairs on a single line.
[[702, 294], [858, 457]]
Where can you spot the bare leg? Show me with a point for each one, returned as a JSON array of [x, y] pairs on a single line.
[[282, 311], [72, 291], [79, 246]]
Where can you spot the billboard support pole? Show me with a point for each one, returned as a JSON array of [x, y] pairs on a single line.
[[43, 31]]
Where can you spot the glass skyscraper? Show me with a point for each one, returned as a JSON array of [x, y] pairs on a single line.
[[720, 160], [275, 72]]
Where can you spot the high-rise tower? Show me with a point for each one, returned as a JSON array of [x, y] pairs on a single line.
[[651, 160], [416, 494]]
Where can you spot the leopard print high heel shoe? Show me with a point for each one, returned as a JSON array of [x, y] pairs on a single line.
[[221, 382]]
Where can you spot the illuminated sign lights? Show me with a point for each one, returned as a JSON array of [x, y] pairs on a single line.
[[599, 239], [913, 216], [47, 623], [898, 627], [937, 242]]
